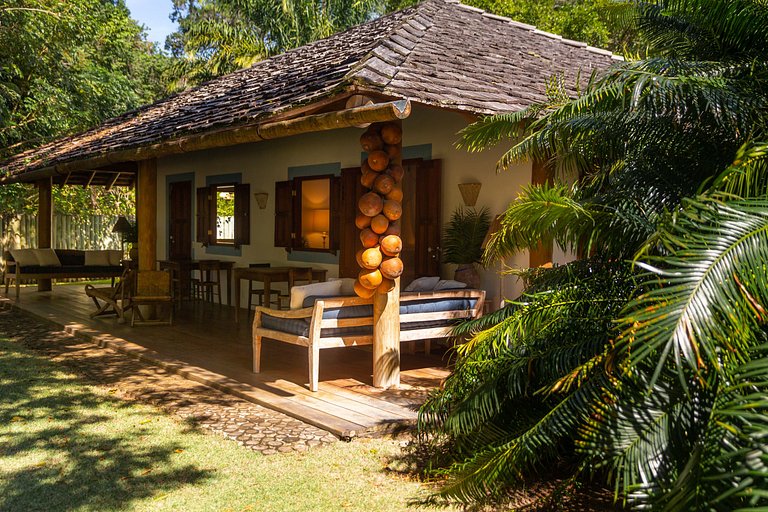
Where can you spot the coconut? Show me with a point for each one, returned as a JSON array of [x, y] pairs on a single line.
[[378, 160], [379, 224], [391, 245], [369, 278], [392, 209], [391, 268], [370, 204], [363, 292], [368, 238], [371, 258], [391, 133]]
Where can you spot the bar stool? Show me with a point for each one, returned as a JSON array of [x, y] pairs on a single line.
[[209, 282], [260, 291]]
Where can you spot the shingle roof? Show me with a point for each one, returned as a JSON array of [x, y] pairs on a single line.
[[439, 52]]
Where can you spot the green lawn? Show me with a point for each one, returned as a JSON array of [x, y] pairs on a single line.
[[65, 445]]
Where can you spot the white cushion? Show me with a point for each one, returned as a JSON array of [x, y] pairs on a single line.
[[97, 258], [115, 257], [324, 289], [423, 284], [449, 284], [347, 285], [24, 257], [47, 258]]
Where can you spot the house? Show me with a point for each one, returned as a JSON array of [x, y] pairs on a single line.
[[263, 165]]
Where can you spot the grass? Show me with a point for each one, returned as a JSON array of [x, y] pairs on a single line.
[[66, 445]]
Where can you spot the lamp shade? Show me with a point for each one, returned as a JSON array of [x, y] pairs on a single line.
[[122, 225], [320, 220]]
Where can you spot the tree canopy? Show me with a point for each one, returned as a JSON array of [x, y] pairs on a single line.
[[65, 67], [216, 37]]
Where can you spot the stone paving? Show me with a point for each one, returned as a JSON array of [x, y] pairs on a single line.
[[251, 425]]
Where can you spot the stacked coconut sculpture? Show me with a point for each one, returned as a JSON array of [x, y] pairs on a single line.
[[380, 209]]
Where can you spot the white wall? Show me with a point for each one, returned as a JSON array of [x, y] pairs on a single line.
[[264, 163]]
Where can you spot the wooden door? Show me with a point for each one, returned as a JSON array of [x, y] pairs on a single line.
[[180, 220], [424, 189]]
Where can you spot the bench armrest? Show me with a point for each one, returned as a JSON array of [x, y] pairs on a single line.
[[280, 313]]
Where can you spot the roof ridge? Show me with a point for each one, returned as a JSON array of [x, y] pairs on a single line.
[[383, 62], [533, 29]]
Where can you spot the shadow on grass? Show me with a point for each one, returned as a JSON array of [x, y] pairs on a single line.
[[63, 447]]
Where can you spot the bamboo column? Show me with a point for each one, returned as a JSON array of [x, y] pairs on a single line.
[[146, 213], [44, 224]]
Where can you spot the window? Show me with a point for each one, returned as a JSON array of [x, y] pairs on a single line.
[[223, 214], [306, 213]]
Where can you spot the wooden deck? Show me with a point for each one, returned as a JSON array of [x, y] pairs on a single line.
[[205, 345]]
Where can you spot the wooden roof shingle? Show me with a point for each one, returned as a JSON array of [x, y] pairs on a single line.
[[439, 53]]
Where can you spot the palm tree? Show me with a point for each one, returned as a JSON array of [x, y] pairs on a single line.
[[647, 367]]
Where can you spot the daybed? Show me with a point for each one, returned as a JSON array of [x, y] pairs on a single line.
[[327, 322], [58, 264]]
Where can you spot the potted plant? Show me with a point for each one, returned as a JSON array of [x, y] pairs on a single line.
[[463, 243]]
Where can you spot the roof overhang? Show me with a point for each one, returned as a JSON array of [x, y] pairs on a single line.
[[119, 167]]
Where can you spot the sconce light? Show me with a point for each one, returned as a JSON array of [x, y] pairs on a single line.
[[321, 220], [469, 192], [261, 199]]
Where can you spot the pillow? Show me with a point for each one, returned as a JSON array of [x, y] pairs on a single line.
[[347, 285], [324, 289], [115, 257], [47, 258], [449, 284], [423, 284], [24, 257], [96, 258]]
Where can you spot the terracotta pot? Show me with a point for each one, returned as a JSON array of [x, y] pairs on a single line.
[[468, 274]]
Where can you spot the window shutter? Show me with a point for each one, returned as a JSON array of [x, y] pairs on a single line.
[[283, 218], [347, 234], [335, 224], [204, 231], [242, 214]]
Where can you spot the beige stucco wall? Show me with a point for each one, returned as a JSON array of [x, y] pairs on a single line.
[[264, 163]]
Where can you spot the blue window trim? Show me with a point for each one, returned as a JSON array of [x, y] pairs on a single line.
[[423, 151], [176, 178], [220, 179]]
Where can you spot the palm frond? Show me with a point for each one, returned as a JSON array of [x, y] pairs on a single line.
[[707, 295]]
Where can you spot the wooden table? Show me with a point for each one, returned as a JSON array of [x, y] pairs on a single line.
[[185, 267], [266, 275]]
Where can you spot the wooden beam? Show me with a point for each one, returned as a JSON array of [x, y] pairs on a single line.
[[380, 112], [386, 326], [146, 213], [44, 224], [113, 181], [541, 254], [90, 180]]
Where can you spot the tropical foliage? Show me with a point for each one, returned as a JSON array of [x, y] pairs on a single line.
[[644, 365], [65, 67], [464, 235], [220, 36]]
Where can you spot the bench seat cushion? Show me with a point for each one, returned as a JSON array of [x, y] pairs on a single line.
[[95, 271], [300, 326]]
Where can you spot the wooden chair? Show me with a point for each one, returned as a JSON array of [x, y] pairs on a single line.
[[152, 288], [259, 292], [112, 300], [209, 282], [296, 276]]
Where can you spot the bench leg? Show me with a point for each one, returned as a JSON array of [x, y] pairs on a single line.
[[427, 346], [18, 288], [314, 366], [256, 354]]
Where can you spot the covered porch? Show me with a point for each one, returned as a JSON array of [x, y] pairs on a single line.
[[207, 346]]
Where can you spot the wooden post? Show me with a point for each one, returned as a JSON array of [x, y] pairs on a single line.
[[146, 213], [44, 224], [542, 254], [386, 325]]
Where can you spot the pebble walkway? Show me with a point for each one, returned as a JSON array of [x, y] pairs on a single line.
[[251, 425]]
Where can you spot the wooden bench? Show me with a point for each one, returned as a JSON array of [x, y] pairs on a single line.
[[14, 273], [348, 321]]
